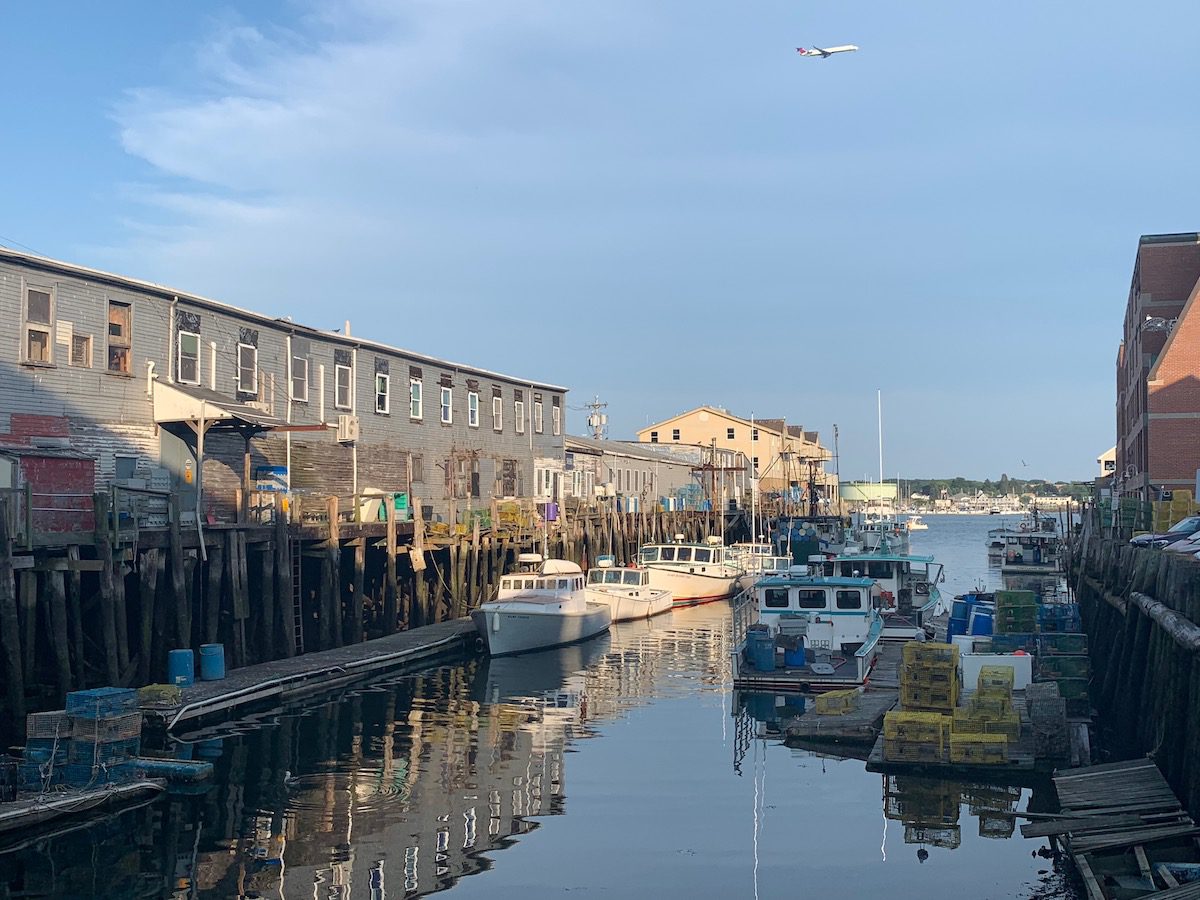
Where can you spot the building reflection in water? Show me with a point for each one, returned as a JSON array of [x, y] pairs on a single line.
[[395, 790]]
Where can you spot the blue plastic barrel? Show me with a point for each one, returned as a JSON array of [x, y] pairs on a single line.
[[795, 657], [762, 651], [962, 609], [956, 627], [181, 668], [212, 662]]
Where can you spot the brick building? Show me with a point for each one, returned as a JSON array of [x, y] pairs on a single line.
[[1158, 370]]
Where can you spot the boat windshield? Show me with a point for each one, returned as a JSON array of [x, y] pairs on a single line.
[[634, 577], [649, 554]]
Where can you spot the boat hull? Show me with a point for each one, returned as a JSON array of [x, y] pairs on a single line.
[[624, 607], [693, 588], [507, 631]]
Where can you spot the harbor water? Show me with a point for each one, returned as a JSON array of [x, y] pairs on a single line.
[[615, 768]]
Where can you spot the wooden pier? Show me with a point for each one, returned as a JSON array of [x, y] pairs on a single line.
[[1124, 828], [861, 725], [287, 679]]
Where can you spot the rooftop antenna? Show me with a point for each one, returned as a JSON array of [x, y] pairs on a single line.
[[596, 420]]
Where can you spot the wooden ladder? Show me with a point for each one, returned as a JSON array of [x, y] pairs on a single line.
[[297, 599]]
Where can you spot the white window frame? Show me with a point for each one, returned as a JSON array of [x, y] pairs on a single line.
[[340, 402], [519, 415], [385, 380], [241, 368], [446, 405], [473, 409], [537, 416], [44, 328], [556, 419], [497, 414], [298, 363], [179, 357], [416, 399]]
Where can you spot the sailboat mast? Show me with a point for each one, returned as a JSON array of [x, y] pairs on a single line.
[[879, 408]]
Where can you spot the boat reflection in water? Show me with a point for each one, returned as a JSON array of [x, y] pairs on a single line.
[[395, 789]]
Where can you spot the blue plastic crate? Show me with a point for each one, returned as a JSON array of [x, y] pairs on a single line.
[[103, 751], [100, 703], [43, 750], [32, 776], [82, 775]]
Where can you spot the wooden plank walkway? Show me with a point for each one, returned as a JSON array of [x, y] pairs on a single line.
[[288, 678], [1109, 810]]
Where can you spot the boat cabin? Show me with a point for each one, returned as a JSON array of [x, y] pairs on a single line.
[[713, 552], [907, 583], [554, 576], [613, 577]]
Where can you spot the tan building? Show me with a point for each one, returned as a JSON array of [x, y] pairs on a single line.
[[780, 454]]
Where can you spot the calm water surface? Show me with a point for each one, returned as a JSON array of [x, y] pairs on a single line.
[[611, 769]]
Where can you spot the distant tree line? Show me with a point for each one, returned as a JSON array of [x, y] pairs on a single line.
[[1003, 487]]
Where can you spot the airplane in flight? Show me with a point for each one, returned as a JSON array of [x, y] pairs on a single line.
[[826, 53]]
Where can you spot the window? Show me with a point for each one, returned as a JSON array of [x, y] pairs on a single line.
[[729, 434], [39, 319], [247, 373], [473, 409], [497, 413], [683, 554], [447, 405], [537, 416], [414, 398], [300, 378], [879, 569], [809, 599], [775, 598], [849, 599], [383, 393], [418, 468], [703, 555], [654, 437], [119, 334], [754, 463], [556, 420], [674, 434], [754, 434], [668, 554], [81, 350], [519, 413], [188, 368], [343, 382]]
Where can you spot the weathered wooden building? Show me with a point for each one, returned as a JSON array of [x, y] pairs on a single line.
[[179, 391]]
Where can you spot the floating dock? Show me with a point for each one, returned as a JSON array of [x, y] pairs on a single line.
[[859, 725], [31, 812], [1126, 832], [285, 679]]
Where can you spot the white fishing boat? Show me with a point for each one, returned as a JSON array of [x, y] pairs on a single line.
[[908, 585], [693, 573], [757, 561], [543, 605], [915, 523], [802, 629], [626, 592]]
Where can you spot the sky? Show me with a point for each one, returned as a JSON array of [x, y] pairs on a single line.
[[658, 204]]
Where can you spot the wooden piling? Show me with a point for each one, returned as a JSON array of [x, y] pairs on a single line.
[[56, 595], [74, 586], [268, 604], [147, 588], [180, 597], [108, 614], [357, 585], [10, 632], [212, 595], [285, 590], [391, 602]]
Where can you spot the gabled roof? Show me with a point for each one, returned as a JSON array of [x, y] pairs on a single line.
[[1164, 354]]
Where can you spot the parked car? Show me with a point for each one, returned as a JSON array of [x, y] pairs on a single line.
[[1181, 530]]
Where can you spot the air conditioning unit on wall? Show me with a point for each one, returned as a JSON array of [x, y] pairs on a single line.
[[347, 429]]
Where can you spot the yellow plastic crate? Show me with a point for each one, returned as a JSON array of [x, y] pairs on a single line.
[[836, 703], [921, 727], [929, 651], [965, 723], [978, 749], [995, 681], [919, 698], [911, 751]]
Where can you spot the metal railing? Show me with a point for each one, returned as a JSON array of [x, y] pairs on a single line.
[[745, 614]]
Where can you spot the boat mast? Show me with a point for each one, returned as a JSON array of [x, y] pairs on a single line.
[[879, 409]]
